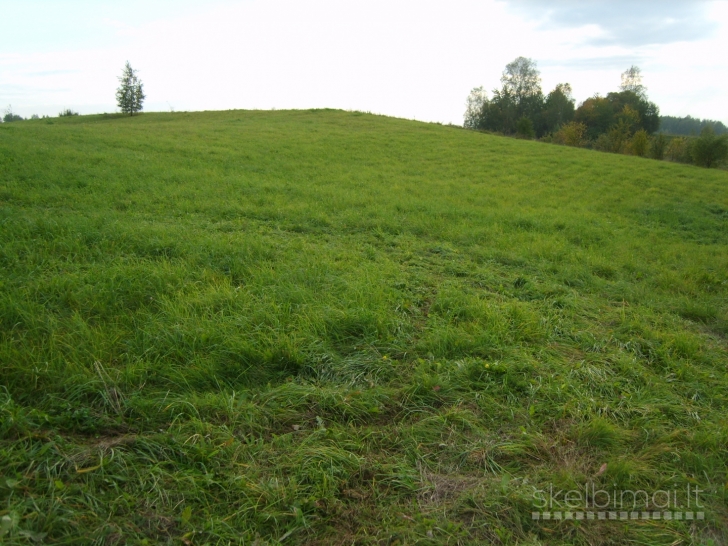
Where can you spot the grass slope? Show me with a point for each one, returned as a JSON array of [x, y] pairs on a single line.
[[324, 327]]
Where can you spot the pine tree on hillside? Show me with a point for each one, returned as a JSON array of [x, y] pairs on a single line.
[[130, 94]]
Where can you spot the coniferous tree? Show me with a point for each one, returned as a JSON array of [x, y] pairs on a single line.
[[130, 94], [689, 125]]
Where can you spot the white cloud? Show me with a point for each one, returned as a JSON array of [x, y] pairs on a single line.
[[625, 22]]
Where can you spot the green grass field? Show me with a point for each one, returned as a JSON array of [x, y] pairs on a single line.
[[327, 327]]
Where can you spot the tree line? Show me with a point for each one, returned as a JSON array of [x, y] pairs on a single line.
[[129, 98], [689, 126], [624, 121], [11, 116]]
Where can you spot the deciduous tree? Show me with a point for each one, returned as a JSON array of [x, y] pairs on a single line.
[[558, 109], [476, 101], [520, 96], [632, 81], [522, 79]]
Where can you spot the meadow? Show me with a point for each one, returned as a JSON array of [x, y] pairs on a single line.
[[329, 327]]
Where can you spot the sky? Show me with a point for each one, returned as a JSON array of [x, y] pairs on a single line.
[[409, 59]]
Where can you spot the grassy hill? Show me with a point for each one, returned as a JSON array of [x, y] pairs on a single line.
[[326, 327]]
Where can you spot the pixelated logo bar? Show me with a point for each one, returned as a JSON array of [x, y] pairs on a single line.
[[616, 515]]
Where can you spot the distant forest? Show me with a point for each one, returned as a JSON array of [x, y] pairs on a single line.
[[624, 121], [689, 126]]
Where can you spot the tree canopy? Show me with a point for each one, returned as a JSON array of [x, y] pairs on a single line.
[[624, 112], [599, 114], [520, 97], [632, 81], [522, 79], [623, 121]]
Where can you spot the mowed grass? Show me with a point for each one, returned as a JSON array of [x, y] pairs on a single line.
[[327, 327]]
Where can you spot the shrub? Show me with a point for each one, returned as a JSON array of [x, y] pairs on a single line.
[[658, 145], [640, 143], [67, 113], [549, 139], [602, 143], [709, 149], [678, 151], [7, 118], [524, 128], [619, 135], [10, 116], [571, 134]]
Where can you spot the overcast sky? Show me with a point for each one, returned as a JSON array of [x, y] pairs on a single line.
[[412, 59]]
